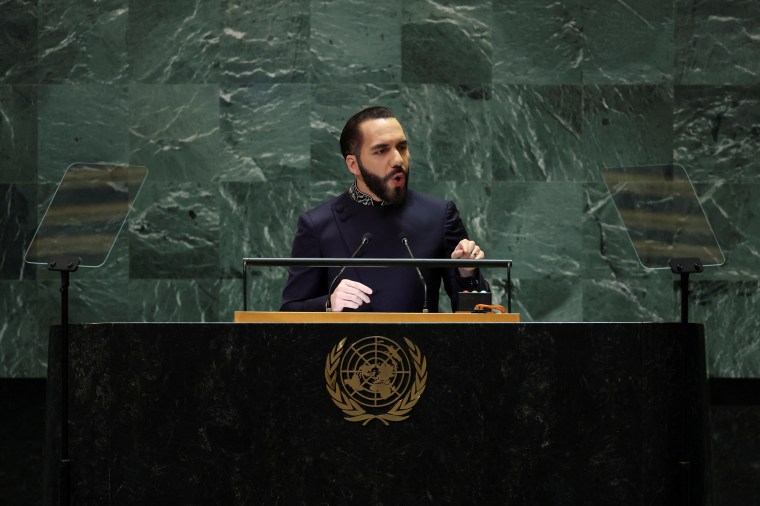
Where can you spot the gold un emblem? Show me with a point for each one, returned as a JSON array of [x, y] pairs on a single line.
[[375, 378]]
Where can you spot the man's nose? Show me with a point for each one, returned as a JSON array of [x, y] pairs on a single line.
[[397, 159]]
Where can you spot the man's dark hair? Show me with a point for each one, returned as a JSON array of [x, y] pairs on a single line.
[[351, 136]]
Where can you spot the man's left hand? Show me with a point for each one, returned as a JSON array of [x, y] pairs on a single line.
[[468, 250]]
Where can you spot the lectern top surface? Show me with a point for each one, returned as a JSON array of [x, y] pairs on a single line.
[[348, 317]]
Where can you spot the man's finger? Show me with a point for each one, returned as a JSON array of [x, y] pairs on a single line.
[[356, 285]]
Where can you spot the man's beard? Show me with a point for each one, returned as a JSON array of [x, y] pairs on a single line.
[[379, 185]]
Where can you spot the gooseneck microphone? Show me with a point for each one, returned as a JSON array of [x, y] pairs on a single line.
[[405, 242], [366, 238]]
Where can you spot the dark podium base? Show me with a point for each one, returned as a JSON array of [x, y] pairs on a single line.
[[511, 414]]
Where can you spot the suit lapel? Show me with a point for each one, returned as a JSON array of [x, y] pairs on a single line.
[[347, 224]]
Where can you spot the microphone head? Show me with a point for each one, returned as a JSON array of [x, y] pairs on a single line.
[[366, 238], [402, 236]]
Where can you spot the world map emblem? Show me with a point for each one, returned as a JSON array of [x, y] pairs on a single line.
[[375, 378]]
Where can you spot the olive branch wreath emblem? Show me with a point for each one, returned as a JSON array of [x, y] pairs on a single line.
[[353, 410]]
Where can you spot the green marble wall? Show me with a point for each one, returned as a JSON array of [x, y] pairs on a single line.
[[512, 108]]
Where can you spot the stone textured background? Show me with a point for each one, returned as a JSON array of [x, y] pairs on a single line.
[[512, 108]]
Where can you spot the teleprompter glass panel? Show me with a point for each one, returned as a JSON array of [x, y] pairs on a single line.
[[662, 214], [87, 213]]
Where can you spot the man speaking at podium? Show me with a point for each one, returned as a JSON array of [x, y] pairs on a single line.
[[379, 217]]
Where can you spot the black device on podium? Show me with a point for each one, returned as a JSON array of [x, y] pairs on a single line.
[[665, 221], [79, 229]]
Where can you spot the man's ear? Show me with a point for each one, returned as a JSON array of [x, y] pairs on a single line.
[[352, 164]]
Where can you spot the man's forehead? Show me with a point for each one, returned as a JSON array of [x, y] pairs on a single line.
[[382, 130]]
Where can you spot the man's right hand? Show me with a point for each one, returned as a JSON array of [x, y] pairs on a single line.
[[349, 294]]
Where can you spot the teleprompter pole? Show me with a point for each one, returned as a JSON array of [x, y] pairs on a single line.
[[684, 267], [65, 265]]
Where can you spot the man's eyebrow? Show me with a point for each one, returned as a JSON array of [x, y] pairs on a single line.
[[404, 142]]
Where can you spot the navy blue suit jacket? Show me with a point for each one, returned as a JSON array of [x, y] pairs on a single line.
[[335, 229]]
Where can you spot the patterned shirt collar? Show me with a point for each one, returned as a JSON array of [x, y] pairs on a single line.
[[362, 198]]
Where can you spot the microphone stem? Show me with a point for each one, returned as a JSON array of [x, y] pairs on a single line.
[[405, 241], [365, 239]]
